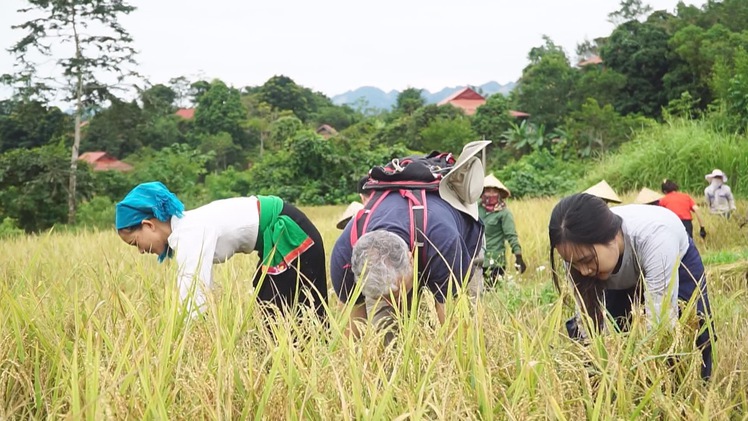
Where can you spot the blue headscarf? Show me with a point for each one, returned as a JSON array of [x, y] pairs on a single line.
[[146, 201]]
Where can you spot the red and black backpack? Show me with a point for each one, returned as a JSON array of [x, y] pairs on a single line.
[[411, 177]]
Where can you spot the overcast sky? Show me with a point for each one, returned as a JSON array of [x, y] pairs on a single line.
[[336, 45]]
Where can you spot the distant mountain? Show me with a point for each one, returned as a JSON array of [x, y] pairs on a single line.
[[374, 97]]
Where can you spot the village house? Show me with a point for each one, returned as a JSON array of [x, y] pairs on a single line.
[[186, 113], [468, 101], [102, 161], [593, 60], [326, 131]]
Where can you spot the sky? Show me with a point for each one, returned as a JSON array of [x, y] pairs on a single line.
[[333, 46]]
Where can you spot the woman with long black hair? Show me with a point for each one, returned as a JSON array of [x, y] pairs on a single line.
[[633, 253]]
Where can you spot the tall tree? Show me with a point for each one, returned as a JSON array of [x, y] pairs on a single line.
[[640, 52], [603, 84], [220, 109], [32, 185], [630, 10], [260, 115], [409, 100], [696, 51], [546, 85], [29, 124], [492, 118], [196, 90], [158, 100], [93, 46], [282, 93], [115, 129], [182, 89]]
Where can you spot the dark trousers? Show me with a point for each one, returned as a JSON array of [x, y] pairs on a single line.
[[691, 281], [305, 281], [689, 226]]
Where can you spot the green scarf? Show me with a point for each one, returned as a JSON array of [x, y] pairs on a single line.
[[282, 238]]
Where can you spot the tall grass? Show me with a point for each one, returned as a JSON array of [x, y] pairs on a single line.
[[90, 330], [682, 150]]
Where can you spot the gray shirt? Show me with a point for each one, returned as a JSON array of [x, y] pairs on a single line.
[[654, 243], [719, 199]]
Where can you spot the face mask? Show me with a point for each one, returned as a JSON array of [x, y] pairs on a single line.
[[716, 182], [491, 203]]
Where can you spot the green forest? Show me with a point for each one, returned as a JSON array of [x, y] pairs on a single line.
[[669, 98]]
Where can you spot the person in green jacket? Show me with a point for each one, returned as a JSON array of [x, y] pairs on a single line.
[[499, 229]]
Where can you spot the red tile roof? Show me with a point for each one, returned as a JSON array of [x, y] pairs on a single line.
[[91, 157], [102, 161], [186, 113], [516, 114], [466, 99], [464, 93], [591, 60]]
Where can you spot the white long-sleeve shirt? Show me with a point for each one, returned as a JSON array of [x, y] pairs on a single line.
[[211, 234]]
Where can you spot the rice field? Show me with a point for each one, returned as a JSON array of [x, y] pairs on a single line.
[[90, 330]]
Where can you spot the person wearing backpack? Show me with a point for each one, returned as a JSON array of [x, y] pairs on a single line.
[[414, 233], [291, 269], [499, 227]]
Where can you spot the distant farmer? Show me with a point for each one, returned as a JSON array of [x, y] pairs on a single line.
[[382, 261], [632, 253], [648, 197], [354, 207], [291, 269], [605, 192], [682, 205], [718, 195], [349, 213], [499, 229]]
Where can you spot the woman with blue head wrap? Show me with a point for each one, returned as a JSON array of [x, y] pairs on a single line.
[[137, 210], [291, 252]]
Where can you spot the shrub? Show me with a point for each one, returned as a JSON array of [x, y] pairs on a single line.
[[9, 228], [540, 173], [682, 151], [96, 213]]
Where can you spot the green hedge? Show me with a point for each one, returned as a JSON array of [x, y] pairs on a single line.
[[681, 150]]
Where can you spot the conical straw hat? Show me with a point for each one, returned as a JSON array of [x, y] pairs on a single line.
[[647, 196], [604, 191], [349, 213], [492, 181]]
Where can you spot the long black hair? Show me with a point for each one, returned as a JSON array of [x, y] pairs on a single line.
[[582, 219]]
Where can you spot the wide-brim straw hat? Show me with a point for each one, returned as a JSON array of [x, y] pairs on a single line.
[[647, 196], [349, 213], [492, 182], [604, 191], [463, 185], [716, 173]]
